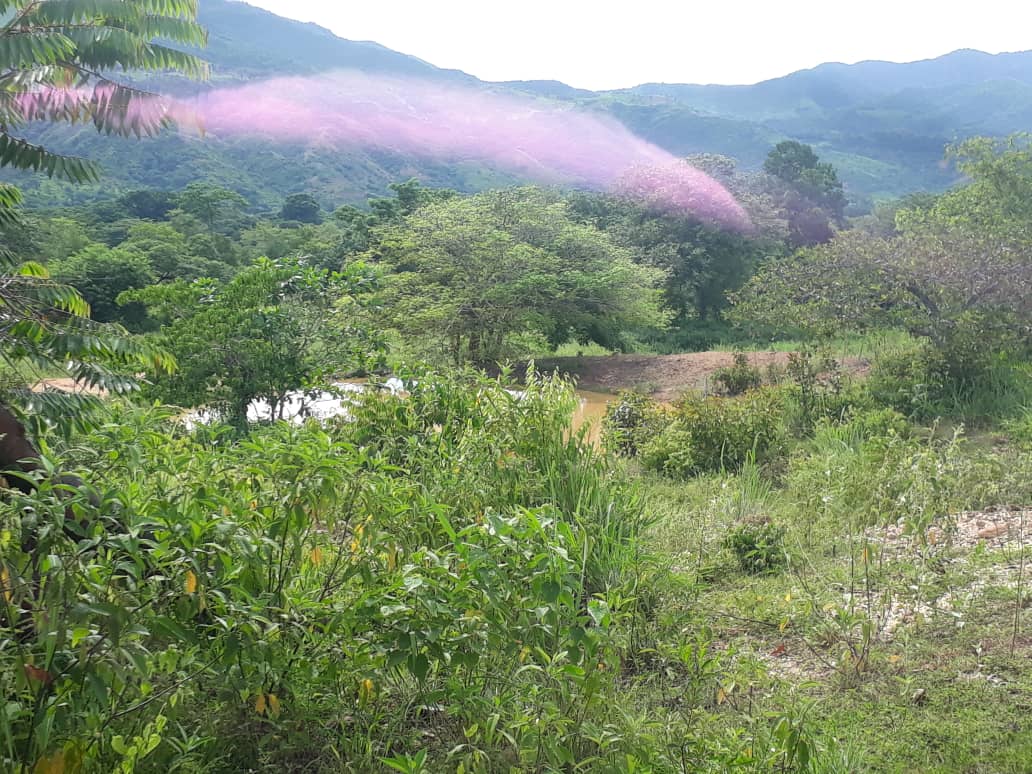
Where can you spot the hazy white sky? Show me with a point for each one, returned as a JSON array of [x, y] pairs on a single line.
[[601, 44]]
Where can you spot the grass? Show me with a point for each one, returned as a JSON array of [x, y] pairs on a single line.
[[575, 349], [850, 346], [949, 691]]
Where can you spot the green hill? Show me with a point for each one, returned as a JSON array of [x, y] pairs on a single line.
[[884, 125]]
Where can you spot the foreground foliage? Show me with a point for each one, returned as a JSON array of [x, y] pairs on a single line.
[[309, 596]]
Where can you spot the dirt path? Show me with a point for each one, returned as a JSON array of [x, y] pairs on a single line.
[[664, 377], [65, 385]]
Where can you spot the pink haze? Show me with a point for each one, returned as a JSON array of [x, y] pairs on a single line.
[[539, 139]]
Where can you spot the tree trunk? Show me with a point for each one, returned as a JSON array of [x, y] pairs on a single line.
[[17, 454]]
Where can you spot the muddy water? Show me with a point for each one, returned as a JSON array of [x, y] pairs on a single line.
[[590, 412]]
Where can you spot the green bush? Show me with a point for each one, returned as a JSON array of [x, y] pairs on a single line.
[[740, 377], [758, 547], [631, 422], [972, 382], [713, 434], [889, 478], [878, 422]]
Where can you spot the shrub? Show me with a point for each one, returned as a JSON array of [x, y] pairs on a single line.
[[891, 478], [711, 434], [468, 547], [631, 422], [878, 422], [965, 381], [740, 377], [758, 547], [815, 380]]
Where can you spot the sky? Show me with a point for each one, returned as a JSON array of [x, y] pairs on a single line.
[[601, 44]]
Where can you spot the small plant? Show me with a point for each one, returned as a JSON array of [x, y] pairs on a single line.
[[879, 423], [816, 379], [739, 377], [758, 546], [631, 422]]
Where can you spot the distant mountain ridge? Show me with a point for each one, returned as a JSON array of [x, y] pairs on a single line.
[[884, 125]]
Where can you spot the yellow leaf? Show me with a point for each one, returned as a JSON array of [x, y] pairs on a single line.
[[52, 764], [354, 546], [5, 579], [392, 559], [895, 658], [254, 505], [783, 625], [365, 691], [524, 652], [274, 705], [788, 597], [721, 695], [191, 582], [316, 556], [260, 705]]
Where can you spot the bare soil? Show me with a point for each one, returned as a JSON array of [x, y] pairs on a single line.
[[664, 377], [65, 385]]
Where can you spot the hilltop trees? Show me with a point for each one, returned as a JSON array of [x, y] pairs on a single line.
[[475, 274]]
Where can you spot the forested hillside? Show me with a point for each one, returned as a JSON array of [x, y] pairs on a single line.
[[883, 125]]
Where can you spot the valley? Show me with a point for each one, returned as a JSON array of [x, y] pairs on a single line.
[[360, 415]]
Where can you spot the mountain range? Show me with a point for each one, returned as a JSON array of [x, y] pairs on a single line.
[[884, 125]]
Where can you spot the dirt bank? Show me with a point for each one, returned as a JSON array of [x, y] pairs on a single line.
[[66, 385], [664, 377]]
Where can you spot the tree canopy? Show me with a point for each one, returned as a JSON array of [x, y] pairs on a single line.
[[476, 273]]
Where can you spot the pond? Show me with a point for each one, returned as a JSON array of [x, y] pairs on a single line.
[[324, 405]]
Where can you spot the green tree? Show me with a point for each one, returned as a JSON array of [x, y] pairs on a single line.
[[323, 244], [270, 331], [967, 295], [301, 207], [102, 273], [700, 263], [471, 274], [149, 204], [996, 200], [169, 254], [219, 209], [60, 237], [813, 197], [408, 197]]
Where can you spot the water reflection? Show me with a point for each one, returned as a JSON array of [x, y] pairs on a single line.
[[299, 406]]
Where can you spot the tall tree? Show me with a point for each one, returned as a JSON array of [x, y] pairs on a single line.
[[701, 263], [473, 273], [301, 207], [218, 208], [814, 197]]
